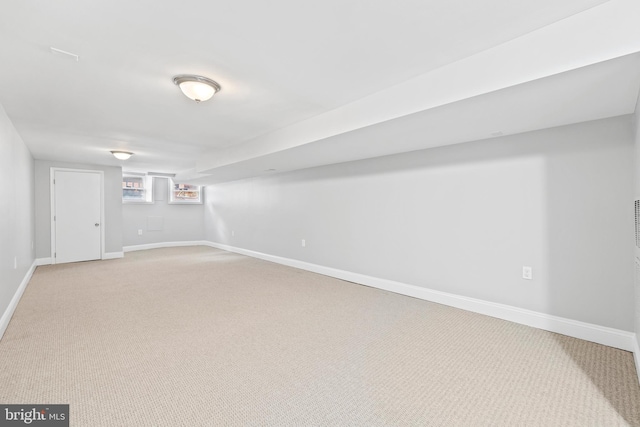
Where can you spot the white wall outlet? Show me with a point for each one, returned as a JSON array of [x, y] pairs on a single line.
[[304, 243], [140, 232], [15, 262], [233, 233], [527, 272]]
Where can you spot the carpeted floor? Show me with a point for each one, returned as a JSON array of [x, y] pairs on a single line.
[[197, 336]]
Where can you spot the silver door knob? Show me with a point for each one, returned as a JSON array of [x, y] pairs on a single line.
[[97, 225]]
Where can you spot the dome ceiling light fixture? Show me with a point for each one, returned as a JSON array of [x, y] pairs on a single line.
[[121, 155], [195, 87]]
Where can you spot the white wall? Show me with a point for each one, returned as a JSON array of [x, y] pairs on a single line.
[[180, 222], [112, 201], [462, 219], [637, 197], [16, 210]]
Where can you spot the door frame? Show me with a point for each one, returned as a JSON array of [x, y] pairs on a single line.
[[52, 192]]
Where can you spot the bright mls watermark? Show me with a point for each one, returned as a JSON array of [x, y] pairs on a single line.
[[34, 415]]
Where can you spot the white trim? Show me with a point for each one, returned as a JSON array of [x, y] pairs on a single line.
[[636, 355], [164, 245], [8, 313], [108, 255], [52, 201], [599, 334], [52, 172], [113, 255], [148, 186], [171, 201]]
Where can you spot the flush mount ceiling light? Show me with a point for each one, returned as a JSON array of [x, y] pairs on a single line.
[[197, 88], [121, 155]]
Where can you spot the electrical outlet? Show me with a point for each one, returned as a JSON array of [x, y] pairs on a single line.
[[304, 243], [527, 272], [233, 233], [140, 232], [15, 262]]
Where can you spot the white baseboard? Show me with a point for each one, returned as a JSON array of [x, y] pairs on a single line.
[[6, 316], [113, 255], [107, 255], [636, 355], [599, 334], [163, 245]]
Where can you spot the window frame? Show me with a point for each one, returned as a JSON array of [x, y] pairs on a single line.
[[172, 200], [147, 187]]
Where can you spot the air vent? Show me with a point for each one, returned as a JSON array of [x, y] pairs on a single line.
[[162, 174], [64, 52]]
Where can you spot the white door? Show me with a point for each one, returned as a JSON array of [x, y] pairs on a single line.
[[77, 207]]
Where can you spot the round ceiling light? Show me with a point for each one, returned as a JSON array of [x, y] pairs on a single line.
[[121, 155], [197, 88]]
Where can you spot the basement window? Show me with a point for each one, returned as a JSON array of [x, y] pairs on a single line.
[[137, 188], [180, 193]]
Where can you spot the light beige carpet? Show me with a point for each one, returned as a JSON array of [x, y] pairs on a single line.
[[201, 337]]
